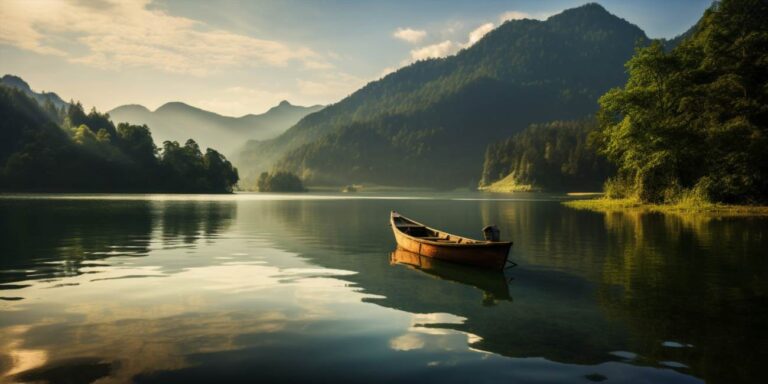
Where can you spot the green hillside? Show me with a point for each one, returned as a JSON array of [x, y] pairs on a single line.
[[554, 156], [429, 124], [73, 151]]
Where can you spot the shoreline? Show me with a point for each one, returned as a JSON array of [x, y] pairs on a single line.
[[618, 205]]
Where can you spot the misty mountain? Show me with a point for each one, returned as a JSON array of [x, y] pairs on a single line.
[[428, 124], [178, 121], [41, 97]]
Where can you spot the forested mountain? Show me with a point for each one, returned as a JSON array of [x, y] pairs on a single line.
[[42, 97], [179, 121], [553, 156], [691, 124], [428, 124], [70, 150]]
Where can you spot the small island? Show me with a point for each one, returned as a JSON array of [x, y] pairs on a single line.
[[280, 181]]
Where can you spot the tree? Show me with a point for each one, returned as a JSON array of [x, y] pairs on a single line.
[[695, 120]]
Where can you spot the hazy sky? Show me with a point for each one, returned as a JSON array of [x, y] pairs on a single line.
[[239, 57]]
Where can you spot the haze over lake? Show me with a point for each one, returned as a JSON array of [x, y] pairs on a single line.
[[297, 288]]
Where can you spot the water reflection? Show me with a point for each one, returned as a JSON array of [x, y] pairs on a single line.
[[230, 290], [492, 283], [50, 239]]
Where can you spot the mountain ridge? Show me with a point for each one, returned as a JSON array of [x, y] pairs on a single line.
[[17, 82], [177, 120], [446, 111]]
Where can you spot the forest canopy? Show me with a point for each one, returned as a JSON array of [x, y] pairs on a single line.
[[693, 122], [44, 148], [554, 156]]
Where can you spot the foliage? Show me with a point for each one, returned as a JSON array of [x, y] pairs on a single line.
[[553, 156], [428, 124], [280, 182], [694, 121], [88, 153]]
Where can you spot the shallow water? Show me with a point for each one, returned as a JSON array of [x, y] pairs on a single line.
[[297, 288]]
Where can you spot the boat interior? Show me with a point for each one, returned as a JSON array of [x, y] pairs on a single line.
[[423, 232]]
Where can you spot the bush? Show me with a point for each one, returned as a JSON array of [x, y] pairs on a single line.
[[280, 182]]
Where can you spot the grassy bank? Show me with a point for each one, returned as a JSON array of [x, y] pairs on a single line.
[[609, 205], [508, 184]]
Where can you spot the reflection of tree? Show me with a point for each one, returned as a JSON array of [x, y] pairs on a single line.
[[189, 221], [55, 238], [692, 280], [553, 314]]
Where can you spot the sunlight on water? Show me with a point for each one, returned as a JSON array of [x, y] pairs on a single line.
[[228, 288]]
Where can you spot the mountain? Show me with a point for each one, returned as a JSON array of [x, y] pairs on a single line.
[[16, 82], [429, 123], [178, 121], [72, 151]]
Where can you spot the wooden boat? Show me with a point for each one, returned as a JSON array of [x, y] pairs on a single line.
[[420, 239], [493, 283]]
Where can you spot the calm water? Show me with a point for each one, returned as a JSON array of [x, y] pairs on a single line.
[[297, 288]]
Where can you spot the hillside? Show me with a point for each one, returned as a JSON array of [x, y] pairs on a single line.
[[41, 97], [555, 157], [179, 121], [428, 124], [78, 152]]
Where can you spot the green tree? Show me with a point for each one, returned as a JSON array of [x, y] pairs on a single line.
[[695, 119]]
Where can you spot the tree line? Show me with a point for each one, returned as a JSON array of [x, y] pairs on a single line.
[[556, 156], [43, 148], [691, 123]]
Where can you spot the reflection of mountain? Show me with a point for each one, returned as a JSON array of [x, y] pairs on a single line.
[[553, 314], [588, 285], [84, 231]]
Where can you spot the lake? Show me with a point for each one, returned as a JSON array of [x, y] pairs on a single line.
[[307, 288]]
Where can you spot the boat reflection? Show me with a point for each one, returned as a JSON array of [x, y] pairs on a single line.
[[492, 283]]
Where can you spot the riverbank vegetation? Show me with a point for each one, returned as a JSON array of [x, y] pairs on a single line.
[[689, 130], [555, 156], [280, 182], [45, 149]]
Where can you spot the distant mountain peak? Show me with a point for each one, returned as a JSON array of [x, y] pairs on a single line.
[[587, 8], [285, 103], [16, 82]]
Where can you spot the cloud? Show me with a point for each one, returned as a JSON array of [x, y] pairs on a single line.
[[123, 34], [517, 15], [441, 49], [448, 47], [514, 15], [478, 33], [410, 35]]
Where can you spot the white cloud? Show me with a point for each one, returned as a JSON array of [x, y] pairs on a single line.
[[119, 34], [448, 47], [514, 15], [432, 51], [517, 15], [478, 33], [410, 35]]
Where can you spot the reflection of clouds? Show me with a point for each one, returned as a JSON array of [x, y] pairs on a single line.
[[138, 323], [406, 342], [424, 333], [20, 359]]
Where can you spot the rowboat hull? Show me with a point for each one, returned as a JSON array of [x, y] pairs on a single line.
[[493, 283], [483, 254]]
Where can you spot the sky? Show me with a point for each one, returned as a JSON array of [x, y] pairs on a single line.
[[244, 56]]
